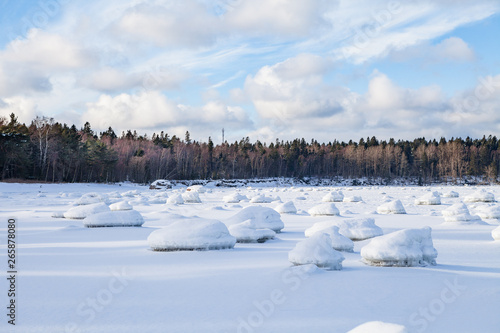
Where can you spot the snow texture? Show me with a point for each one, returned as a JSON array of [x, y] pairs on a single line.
[[192, 234], [316, 250], [403, 248], [261, 217], [81, 212], [379, 327], [286, 208], [431, 198], [391, 207], [354, 229], [326, 209], [495, 233], [480, 196], [119, 218]]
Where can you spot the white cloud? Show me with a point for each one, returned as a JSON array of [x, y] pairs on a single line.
[[450, 49]]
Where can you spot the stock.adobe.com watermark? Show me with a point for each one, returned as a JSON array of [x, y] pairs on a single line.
[[425, 316], [88, 309]]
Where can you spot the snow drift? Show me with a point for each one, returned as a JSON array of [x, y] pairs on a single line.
[[326, 209], [431, 198], [119, 218], [391, 207], [316, 250], [459, 214], [286, 208], [480, 196]]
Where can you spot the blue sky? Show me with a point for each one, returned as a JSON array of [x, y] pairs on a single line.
[[260, 68]]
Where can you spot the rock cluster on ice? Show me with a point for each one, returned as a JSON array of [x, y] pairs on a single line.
[[459, 214], [333, 197], [316, 250], [262, 217], [404, 248], [192, 234], [379, 327], [286, 208], [431, 198], [81, 212], [480, 196], [391, 207], [354, 229], [117, 218], [326, 209], [495, 233]]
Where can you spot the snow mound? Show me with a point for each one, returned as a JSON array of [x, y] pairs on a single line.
[[191, 197], [81, 212], [459, 214], [91, 198], [118, 218], [326, 209], [196, 188], [353, 198], [263, 217], [431, 198], [354, 229], [488, 212], [316, 250], [249, 232], [57, 215], [495, 233], [338, 241], [192, 234], [451, 194], [234, 198], [333, 197], [480, 196], [403, 248], [121, 205], [131, 193], [286, 208], [175, 199], [378, 327], [391, 207], [261, 199]]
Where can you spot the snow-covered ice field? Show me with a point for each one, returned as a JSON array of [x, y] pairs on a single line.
[[77, 279]]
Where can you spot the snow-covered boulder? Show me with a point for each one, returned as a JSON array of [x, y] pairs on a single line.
[[316, 250], [354, 229], [160, 184], [459, 214], [192, 234], [286, 208], [391, 207], [234, 198], [451, 194], [353, 198], [130, 194], [431, 198], [339, 241], [261, 199], [480, 196], [333, 197], [57, 215], [249, 232], [121, 205], [175, 199], [81, 212], [91, 198], [379, 327], [404, 248], [196, 188], [495, 233], [118, 218], [326, 209], [487, 212], [263, 217], [191, 197]]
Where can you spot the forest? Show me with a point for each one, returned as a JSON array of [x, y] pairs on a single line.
[[53, 152]]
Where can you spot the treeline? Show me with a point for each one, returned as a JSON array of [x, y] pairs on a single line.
[[50, 151]]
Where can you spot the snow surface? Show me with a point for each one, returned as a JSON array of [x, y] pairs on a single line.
[[495, 233], [192, 234], [407, 248], [119, 218], [316, 250], [77, 279]]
